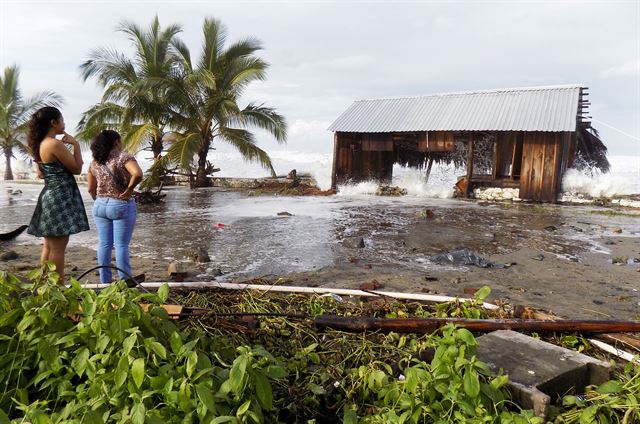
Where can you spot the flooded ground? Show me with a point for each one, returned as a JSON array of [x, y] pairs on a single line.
[[558, 257]]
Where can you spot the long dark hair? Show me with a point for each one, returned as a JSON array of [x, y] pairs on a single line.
[[103, 144], [39, 125]]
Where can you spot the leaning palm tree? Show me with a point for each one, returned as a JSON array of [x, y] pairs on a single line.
[[15, 111], [133, 102], [205, 105]]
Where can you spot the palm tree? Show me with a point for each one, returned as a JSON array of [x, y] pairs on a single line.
[[205, 105], [15, 111], [133, 102]]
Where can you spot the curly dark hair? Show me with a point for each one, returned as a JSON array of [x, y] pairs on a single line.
[[102, 145], [39, 125]]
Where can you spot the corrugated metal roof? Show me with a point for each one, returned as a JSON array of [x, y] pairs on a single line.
[[548, 108]]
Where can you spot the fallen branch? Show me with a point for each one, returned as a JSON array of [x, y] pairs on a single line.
[[424, 325]]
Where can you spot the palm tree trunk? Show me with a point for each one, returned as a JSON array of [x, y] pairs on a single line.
[[201, 174], [8, 173], [156, 146]]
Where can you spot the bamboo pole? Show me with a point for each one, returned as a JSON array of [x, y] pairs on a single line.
[[410, 325], [299, 289]]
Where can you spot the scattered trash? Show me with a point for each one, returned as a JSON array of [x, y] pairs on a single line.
[[620, 260], [219, 225], [284, 214], [426, 214], [353, 242], [464, 257], [470, 290], [334, 296]]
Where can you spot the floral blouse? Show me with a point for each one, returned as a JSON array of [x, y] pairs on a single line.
[[107, 187]]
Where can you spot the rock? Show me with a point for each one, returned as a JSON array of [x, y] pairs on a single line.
[[9, 256], [199, 255], [385, 190], [353, 242], [598, 302], [620, 260], [617, 230], [214, 272], [176, 268], [285, 213], [551, 228], [609, 242], [539, 257], [371, 285]]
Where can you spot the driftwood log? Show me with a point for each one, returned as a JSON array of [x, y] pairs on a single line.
[[424, 325]]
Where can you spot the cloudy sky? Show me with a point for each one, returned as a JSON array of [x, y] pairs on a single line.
[[326, 54]]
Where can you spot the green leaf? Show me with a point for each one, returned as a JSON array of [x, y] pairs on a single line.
[[128, 343], [137, 371], [159, 350], [79, 363], [243, 408], [350, 416], [206, 397], [610, 387], [220, 420], [483, 293], [122, 371], [4, 419], [163, 292], [192, 362], [471, 383], [138, 412], [263, 391], [176, 342]]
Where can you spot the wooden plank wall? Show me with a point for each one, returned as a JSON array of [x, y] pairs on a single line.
[[542, 156], [361, 157]]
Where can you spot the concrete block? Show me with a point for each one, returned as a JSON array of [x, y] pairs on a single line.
[[539, 372]]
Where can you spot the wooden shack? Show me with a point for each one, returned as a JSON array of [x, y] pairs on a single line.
[[523, 138]]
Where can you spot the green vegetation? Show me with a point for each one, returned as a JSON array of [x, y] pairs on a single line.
[[75, 356], [610, 212], [15, 111]]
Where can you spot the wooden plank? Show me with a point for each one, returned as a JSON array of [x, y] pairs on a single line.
[[336, 156], [467, 188]]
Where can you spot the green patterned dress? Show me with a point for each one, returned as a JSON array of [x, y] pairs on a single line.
[[60, 209]]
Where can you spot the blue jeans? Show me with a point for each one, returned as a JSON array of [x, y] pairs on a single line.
[[114, 220]]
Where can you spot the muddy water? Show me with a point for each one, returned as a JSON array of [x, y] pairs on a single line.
[[246, 237]]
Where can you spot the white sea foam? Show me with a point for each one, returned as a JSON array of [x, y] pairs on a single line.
[[622, 179]]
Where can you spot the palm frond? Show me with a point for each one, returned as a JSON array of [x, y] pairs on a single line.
[[262, 117], [137, 135], [245, 143]]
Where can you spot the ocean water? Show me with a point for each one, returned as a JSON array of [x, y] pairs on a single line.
[[253, 240]]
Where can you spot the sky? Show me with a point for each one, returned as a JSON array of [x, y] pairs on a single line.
[[323, 55]]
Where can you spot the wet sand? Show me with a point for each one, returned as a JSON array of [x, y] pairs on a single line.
[[556, 259]]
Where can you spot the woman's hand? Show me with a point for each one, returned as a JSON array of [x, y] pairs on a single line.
[[126, 195], [68, 139]]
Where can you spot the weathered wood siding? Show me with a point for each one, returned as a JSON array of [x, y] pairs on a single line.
[[361, 157], [543, 156]]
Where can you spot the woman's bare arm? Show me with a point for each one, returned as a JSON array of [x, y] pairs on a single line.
[[136, 176], [92, 184]]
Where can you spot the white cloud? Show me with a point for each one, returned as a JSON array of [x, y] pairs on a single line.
[[629, 68]]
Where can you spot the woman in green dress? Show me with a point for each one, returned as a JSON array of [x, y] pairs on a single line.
[[60, 210]]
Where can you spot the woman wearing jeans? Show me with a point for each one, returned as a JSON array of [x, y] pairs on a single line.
[[112, 176]]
